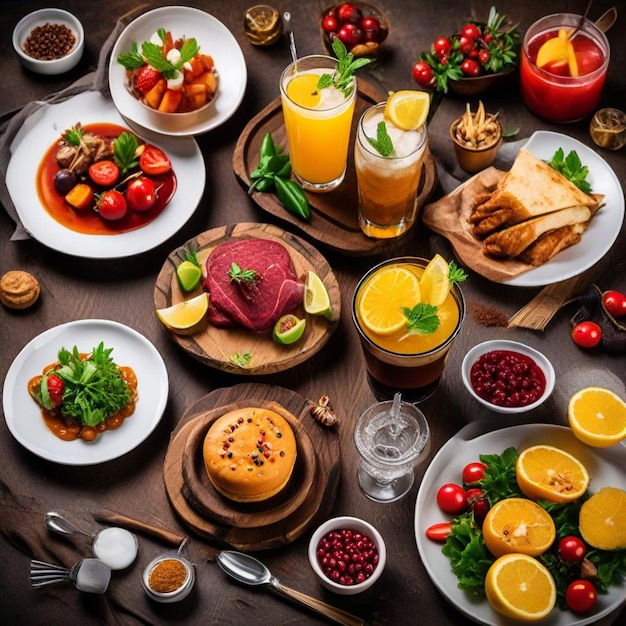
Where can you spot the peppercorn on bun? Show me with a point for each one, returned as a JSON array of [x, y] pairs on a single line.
[[249, 454]]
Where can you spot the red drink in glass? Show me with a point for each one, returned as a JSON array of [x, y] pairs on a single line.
[[551, 92]]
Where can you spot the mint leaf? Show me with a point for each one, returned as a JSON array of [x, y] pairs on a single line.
[[125, 152], [382, 144], [131, 60], [342, 78], [572, 168], [422, 318]]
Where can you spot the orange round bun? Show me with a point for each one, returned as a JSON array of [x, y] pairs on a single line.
[[249, 454]]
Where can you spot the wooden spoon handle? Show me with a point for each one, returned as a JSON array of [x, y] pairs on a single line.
[[337, 615], [117, 519]]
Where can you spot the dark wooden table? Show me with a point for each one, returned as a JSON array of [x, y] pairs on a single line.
[[122, 290]]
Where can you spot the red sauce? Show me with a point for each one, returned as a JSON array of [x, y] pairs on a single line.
[[89, 221], [68, 429], [507, 378]]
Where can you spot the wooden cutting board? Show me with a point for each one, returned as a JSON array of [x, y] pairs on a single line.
[[216, 346], [333, 220], [253, 528]]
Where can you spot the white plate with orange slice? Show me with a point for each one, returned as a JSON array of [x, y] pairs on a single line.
[[605, 467]]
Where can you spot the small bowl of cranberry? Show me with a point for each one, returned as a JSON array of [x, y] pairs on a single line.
[[361, 27], [347, 554], [507, 376]]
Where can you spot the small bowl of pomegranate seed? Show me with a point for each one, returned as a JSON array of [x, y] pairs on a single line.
[[347, 554], [507, 376], [361, 27]]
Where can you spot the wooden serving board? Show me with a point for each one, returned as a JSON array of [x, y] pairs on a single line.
[[216, 346], [274, 528], [333, 220]]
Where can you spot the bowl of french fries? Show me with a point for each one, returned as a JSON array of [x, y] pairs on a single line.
[[477, 137]]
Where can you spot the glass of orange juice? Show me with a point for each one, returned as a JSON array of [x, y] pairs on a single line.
[[399, 358], [318, 123], [387, 185]]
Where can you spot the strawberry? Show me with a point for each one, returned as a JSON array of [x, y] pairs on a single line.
[[147, 78]]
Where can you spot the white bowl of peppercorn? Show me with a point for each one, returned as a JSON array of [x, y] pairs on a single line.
[[347, 554], [507, 376], [49, 41]]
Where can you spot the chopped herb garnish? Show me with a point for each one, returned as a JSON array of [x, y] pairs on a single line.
[[342, 78], [74, 135], [456, 274], [422, 318], [241, 359], [125, 152], [382, 144], [237, 275], [572, 168]]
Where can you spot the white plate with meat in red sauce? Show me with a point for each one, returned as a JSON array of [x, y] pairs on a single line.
[[83, 233], [27, 422]]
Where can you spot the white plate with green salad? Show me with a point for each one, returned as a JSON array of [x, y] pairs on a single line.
[[605, 467], [129, 348]]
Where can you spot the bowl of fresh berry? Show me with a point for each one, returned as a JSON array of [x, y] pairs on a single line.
[[477, 58], [361, 27]]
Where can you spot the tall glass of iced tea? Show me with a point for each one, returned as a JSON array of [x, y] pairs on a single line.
[[400, 358], [568, 84]]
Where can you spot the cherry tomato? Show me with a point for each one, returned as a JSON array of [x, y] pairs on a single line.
[[370, 25], [112, 205], [330, 24], [350, 34], [572, 549], [470, 31], [154, 161], [478, 503], [422, 74], [470, 68], [484, 56], [466, 45], [55, 388], [587, 334], [615, 303], [104, 173], [347, 12], [473, 473], [140, 194], [487, 38], [442, 46], [451, 499], [581, 596], [439, 532]]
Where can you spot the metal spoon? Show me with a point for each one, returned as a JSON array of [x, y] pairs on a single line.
[[249, 571], [89, 575], [292, 40]]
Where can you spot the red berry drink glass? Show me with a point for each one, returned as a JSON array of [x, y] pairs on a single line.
[[550, 91]]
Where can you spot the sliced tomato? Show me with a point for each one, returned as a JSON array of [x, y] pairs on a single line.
[[154, 161], [439, 532], [104, 173]]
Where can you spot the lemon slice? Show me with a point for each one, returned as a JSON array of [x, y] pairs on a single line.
[[185, 317], [597, 417], [302, 89], [316, 298], [188, 275], [407, 109], [389, 290], [558, 50], [435, 284]]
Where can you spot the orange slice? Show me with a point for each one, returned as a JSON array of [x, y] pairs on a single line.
[[389, 290], [602, 519], [518, 525], [558, 50], [520, 587], [548, 473], [302, 89], [597, 417]]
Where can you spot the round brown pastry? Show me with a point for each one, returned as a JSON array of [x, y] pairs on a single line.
[[18, 289], [249, 454]]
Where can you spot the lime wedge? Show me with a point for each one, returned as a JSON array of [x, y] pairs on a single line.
[[316, 298], [288, 329], [188, 275]]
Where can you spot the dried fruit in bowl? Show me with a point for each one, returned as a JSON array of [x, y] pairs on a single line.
[[171, 76]]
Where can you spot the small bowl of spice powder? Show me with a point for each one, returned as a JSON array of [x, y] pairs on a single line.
[[169, 578], [49, 41]]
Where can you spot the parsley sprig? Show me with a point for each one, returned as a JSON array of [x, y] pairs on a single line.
[[382, 144], [456, 274], [94, 388], [237, 275], [74, 135], [572, 168], [347, 65]]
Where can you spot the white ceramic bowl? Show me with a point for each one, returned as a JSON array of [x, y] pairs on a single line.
[[39, 18], [501, 344], [358, 525]]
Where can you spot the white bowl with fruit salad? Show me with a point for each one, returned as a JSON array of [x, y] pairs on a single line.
[[177, 71]]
